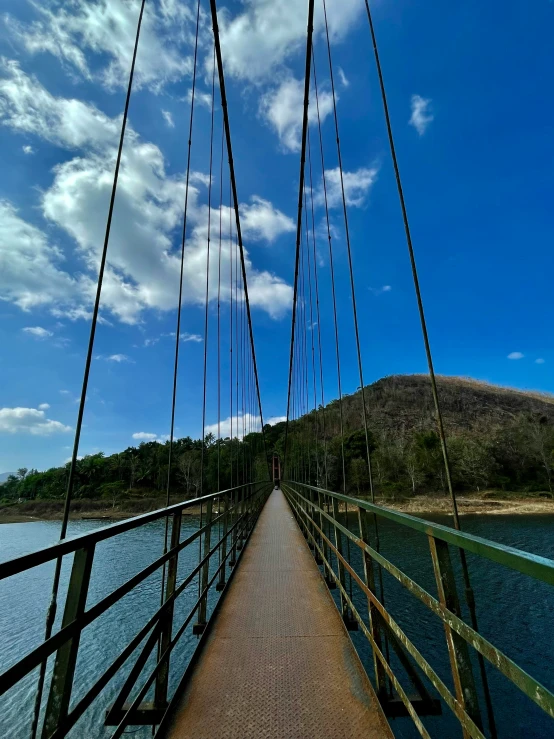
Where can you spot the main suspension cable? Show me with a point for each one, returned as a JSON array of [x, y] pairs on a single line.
[[51, 613], [215, 26], [465, 570], [299, 217]]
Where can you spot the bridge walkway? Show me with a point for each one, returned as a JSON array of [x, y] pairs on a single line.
[[278, 662]]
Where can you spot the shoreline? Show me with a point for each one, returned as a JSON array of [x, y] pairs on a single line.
[[419, 506]]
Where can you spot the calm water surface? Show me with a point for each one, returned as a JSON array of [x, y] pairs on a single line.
[[515, 613]]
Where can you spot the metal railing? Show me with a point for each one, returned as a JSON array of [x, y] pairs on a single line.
[[318, 513], [237, 511]]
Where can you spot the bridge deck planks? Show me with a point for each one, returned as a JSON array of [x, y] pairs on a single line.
[[278, 662]]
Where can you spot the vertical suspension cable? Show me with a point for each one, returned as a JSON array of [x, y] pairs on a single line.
[[215, 27], [315, 429], [231, 331], [332, 273], [179, 305], [219, 318], [318, 317], [52, 608], [469, 596], [207, 297], [353, 299]]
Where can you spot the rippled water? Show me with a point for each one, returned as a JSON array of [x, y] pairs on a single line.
[[515, 613]]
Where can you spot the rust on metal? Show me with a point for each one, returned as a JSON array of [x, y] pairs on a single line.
[[278, 662]]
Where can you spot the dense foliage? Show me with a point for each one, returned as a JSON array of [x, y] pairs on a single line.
[[497, 438]]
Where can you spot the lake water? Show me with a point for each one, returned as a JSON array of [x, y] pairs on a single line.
[[515, 613]]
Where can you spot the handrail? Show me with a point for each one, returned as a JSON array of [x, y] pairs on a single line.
[[237, 512], [541, 568], [71, 544], [309, 509]]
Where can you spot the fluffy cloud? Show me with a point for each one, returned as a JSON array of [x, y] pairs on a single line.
[[421, 114], [106, 30], [31, 273], [356, 187], [539, 361], [27, 107], [28, 149], [282, 109], [168, 118], [30, 421], [144, 436], [262, 221], [118, 358], [343, 79], [144, 254], [44, 406], [515, 355], [38, 332], [259, 40], [242, 423]]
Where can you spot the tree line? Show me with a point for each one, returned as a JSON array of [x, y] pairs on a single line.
[[496, 439]]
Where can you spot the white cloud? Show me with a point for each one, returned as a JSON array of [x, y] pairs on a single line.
[[343, 79], [168, 118], [27, 107], [44, 406], [380, 290], [421, 115], [29, 420], [247, 422], [539, 361], [28, 149], [144, 252], [144, 436], [196, 338], [65, 392], [258, 40], [185, 336], [356, 187], [276, 419], [282, 109], [30, 273], [200, 97], [106, 30], [118, 358], [151, 342], [262, 221], [38, 332], [515, 355]]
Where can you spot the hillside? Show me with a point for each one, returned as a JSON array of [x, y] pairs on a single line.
[[405, 402], [499, 439]]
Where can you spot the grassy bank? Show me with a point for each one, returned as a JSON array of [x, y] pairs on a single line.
[[486, 502], [83, 509]]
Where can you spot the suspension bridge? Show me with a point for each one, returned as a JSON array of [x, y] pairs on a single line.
[[283, 575]]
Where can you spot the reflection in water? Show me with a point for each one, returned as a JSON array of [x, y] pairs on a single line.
[[515, 613]]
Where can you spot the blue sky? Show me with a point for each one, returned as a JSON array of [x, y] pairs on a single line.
[[468, 90]]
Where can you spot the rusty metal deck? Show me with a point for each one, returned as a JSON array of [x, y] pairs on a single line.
[[278, 662]]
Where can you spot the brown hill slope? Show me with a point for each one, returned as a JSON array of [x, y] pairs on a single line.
[[405, 402]]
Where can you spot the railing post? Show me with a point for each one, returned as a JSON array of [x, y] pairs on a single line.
[[234, 534], [200, 625], [61, 685], [458, 651], [342, 578], [240, 513], [373, 614], [162, 678], [331, 584], [317, 537], [223, 548]]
